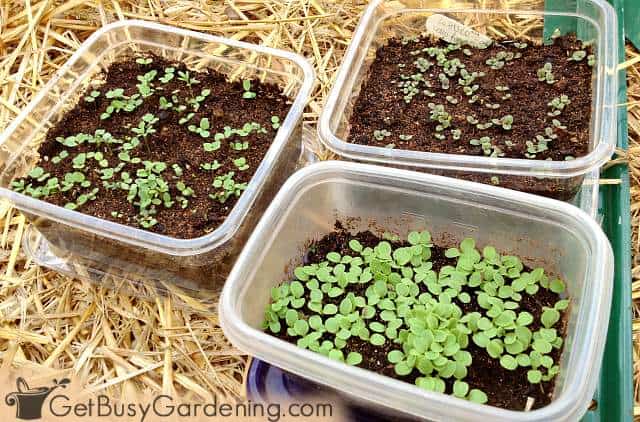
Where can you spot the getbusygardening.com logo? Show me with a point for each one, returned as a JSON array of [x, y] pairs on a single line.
[[29, 401], [39, 403]]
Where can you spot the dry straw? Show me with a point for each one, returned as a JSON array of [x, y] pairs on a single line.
[[125, 346], [633, 157]]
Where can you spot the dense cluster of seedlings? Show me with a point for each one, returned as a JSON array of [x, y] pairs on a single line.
[[391, 298], [120, 161], [452, 79]]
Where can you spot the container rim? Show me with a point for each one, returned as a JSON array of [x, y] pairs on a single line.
[[569, 404], [143, 238], [604, 128]]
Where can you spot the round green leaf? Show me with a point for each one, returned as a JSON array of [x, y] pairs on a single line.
[[480, 339], [377, 339], [452, 253], [414, 238], [557, 286], [460, 389], [541, 346], [477, 396], [346, 306], [354, 358], [291, 317], [330, 309], [523, 360], [315, 322], [355, 245], [395, 356], [508, 362], [343, 334], [336, 354], [334, 257], [534, 376], [484, 324], [301, 327], [315, 306], [402, 368], [524, 318], [316, 295], [467, 245], [495, 349], [549, 317], [274, 326], [296, 288], [368, 312], [561, 305], [301, 274], [335, 291]]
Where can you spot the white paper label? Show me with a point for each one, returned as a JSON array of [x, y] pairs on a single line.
[[454, 32]]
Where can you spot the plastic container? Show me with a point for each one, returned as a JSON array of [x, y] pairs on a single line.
[[551, 234], [266, 383], [198, 264], [596, 21]]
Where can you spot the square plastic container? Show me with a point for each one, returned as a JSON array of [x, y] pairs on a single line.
[[551, 234], [596, 22], [198, 264]]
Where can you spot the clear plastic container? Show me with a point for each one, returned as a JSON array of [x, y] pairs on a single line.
[[196, 264], [596, 21], [549, 233]]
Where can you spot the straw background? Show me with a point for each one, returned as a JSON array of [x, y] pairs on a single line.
[[126, 346]]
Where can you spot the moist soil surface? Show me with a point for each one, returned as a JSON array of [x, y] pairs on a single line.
[[381, 104], [172, 143], [504, 388]]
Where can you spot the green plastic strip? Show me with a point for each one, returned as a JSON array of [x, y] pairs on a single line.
[[614, 395], [565, 24], [568, 24], [632, 21]]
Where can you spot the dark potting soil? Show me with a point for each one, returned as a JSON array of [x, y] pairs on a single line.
[[172, 143], [504, 388], [381, 104]]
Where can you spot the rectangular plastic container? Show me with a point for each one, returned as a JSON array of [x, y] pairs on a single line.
[[549, 233], [596, 21], [198, 264]]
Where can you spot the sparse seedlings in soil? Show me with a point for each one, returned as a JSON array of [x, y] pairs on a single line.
[[486, 90], [169, 104]]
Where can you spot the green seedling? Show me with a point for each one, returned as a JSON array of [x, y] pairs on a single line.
[[202, 129], [227, 187], [92, 96], [187, 78], [144, 60], [169, 74], [545, 74], [247, 94]]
